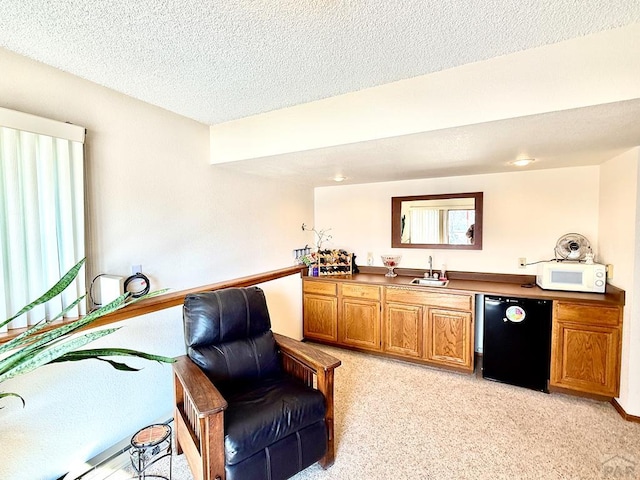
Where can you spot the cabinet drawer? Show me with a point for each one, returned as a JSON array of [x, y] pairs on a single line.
[[358, 290], [587, 314], [321, 288], [442, 300]]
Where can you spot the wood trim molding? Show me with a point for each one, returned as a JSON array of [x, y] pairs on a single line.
[[623, 414], [171, 299]]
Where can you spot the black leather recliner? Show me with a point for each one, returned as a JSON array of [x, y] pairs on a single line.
[[262, 413]]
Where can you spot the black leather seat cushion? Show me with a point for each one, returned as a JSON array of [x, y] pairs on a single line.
[[284, 458], [266, 411]]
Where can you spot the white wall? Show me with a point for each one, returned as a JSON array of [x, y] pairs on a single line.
[[618, 232], [524, 215], [154, 200]]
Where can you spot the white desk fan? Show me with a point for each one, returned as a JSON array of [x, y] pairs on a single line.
[[573, 247]]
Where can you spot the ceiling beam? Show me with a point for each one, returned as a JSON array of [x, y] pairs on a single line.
[[591, 70]]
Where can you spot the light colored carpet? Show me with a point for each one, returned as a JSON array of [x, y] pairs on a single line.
[[396, 420]]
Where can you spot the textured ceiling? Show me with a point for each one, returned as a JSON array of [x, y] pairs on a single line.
[[575, 137], [221, 60], [218, 60]]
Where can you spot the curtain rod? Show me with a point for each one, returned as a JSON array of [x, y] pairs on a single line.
[[40, 125]]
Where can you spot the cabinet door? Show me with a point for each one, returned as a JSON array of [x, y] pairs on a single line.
[[586, 358], [449, 338], [320, 317], [403, 329], [360, 323]]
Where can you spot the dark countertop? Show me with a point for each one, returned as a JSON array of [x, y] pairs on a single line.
[[468, 282]]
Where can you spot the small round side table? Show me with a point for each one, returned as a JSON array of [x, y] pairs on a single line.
[[149, 445]]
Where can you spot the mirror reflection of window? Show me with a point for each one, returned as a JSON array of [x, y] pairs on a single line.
[[438, 222], [460, 226]]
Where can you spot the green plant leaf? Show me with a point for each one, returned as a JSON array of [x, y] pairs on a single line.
[[54, 291], [68, 328], [123, 367], [29, 337], [117, 365], [111, 352], [21, 339], [25, 337], [43, 356], [51, 336]]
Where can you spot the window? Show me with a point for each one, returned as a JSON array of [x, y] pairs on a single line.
[[41, 213]]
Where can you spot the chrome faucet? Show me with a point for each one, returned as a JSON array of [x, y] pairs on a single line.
[[430, 266]]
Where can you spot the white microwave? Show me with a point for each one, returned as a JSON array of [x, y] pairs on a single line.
[[572, 276]]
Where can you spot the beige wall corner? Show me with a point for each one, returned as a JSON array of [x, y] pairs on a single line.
[[620, 246]]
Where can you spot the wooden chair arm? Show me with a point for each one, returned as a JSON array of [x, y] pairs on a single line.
[[311, 357], [306, 362], [199, 420], [204, 395]]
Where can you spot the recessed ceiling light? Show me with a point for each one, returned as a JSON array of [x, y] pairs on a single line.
[[339, 178], [522, 162]]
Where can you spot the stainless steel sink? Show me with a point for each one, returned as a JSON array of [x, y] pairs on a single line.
[[429, 282]]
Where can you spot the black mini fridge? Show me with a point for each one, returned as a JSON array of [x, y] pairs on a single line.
[[517, 341]]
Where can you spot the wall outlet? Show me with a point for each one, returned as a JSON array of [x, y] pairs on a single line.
[[522, 262], [369, 258], [136, 269], [609, 271]]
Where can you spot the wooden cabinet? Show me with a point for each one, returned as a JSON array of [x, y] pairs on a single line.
[[436, 327], [342, 313], [320, 310], [403, 329], [405, 322], [585, 348], [450, 338], [359, 316]]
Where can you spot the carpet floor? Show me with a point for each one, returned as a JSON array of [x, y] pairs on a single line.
[[397, 420]]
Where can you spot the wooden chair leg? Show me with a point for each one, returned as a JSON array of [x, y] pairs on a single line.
[[178, 450], [212, 447], [325, 385]]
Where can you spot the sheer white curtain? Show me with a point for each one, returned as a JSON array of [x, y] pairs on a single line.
[[425, 225], [41, 213]]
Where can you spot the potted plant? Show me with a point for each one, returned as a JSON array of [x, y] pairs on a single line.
[[44, 343]]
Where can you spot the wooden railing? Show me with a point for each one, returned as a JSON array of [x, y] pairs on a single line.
[[171, 299]]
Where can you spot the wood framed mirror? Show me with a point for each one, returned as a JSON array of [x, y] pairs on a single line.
[[452, 221]]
